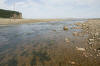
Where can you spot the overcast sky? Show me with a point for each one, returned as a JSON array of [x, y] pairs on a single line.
[[54, 8]]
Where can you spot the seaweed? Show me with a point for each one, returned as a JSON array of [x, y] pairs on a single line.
[[42, 57], [12, 62], [33, 61]]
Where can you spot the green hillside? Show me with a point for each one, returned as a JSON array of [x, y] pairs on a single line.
[[8, 13]]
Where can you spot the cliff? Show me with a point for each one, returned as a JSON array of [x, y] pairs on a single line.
[[10, 14]]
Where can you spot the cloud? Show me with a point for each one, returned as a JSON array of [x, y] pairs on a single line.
[[54, 8], [2, 4]]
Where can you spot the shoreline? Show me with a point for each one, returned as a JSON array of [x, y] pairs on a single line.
[[23, 21]]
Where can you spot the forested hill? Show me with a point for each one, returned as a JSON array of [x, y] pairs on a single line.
[[10, 14]]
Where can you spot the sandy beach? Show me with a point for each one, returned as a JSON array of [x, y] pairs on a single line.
[[22, 21]]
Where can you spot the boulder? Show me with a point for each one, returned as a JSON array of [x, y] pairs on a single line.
[[65, 28]]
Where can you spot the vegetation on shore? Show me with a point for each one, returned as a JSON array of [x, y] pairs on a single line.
[[8, 13]]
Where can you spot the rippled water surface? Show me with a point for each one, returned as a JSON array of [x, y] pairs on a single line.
[[41, 44]]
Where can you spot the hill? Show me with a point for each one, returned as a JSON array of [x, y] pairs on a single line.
[[10, 14]]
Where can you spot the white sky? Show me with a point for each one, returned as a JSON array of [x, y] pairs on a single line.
[[54, 8]]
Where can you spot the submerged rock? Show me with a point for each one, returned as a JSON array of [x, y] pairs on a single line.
[[78, 24], [83, 24], [76, 27], [80, 49], [72, 62], [67, 40], [54, 30], [65, 28], [75, 33]]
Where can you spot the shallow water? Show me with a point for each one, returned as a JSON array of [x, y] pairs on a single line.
[[41, 44], [17, 33]]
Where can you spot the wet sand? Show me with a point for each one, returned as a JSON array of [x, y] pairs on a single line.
[[47, 44]]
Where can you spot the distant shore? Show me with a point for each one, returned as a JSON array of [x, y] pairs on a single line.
[[22, 21]]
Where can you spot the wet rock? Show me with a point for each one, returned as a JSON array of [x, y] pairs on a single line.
[[65, 28], [80, 49]]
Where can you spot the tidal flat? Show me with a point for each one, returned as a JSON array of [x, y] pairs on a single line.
[[48, 44]]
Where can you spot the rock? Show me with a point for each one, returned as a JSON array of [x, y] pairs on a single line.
[[80, 49], [75, 33], [72, 62], [85, 54], [67, 40], [91, 43], [65, 28], [98, 49], [91, 40], [54, 30], [78, 24], [95, 50], [83, 24], [76, 27], [97, 55], [96, 34]]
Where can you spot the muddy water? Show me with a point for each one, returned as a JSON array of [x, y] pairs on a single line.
[[42, 44]]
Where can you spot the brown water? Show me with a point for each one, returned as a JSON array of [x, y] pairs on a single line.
[[43, 44]]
